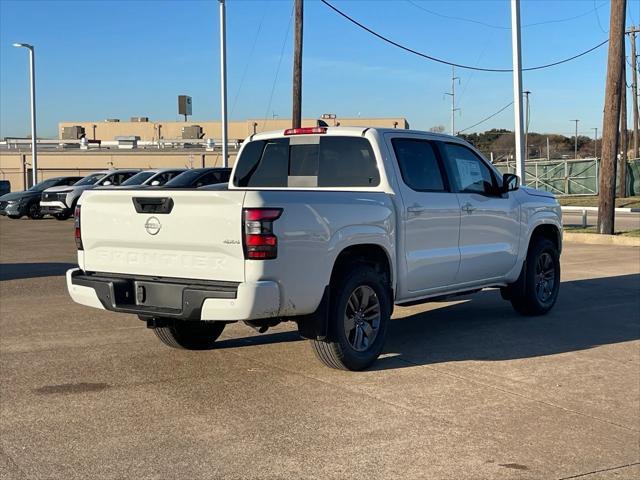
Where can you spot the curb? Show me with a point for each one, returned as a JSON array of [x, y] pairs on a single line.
[[597, 239], [595, 209]]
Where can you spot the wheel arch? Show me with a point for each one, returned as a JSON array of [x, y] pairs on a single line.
[[368, 253], [547, 230], [315, 325]]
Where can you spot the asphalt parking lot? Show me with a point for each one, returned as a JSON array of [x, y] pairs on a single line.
[[466, 389]]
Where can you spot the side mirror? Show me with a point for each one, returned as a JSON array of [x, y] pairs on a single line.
[[510, 182], [155, 183], [106, 183]]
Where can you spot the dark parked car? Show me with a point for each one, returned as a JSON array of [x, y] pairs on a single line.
[[17, 204], [5, 187], [199, 177]]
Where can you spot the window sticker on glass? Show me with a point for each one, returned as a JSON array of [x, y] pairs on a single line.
[[470, 173]]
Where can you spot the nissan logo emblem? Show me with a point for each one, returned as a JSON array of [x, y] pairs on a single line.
[[152, 225]]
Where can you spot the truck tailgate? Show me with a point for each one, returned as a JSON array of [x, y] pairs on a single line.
[[164, 233]]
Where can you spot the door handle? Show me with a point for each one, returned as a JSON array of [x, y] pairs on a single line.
[[468, 208], [416, 209]]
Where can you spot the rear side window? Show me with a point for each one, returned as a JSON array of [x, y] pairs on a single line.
[[310, 162], [418, 164]]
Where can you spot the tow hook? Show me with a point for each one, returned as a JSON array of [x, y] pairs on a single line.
[[262, 325]]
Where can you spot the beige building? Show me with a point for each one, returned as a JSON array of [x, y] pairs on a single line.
[[239, 130], [62, 157]]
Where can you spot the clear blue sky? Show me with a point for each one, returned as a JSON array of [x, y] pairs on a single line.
[[100, 59]]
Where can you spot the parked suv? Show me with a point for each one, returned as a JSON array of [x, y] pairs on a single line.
[[61, 201], [27, 202], [326, 227]]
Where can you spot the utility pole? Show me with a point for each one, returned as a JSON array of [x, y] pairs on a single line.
[[622, 165], [517, 88], [548, 151], [575, 143], [634, 87], [595, 144], [296, 118], [607, 180], [453, 99], [223, 83], [526, 125]]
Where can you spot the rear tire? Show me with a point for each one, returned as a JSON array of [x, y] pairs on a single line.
[[359, 315], [190, 335], [15, 217], [536, 290]]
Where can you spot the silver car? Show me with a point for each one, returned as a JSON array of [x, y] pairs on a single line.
[[61, 201]]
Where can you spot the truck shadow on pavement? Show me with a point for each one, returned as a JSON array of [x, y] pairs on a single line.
[[589, 313], [20, 271]]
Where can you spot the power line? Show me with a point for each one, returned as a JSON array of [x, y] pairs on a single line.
[[246, 66], [501, 27], [446, 62], [487, 118], [598, 17], [275, 79]]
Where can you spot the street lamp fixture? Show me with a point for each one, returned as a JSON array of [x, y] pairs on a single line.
[[32, 81]]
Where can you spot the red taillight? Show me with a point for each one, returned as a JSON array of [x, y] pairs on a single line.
[[260, 243], [305, 130], [78, 234]]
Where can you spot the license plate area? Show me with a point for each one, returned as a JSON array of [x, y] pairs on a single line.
[[155, 294]]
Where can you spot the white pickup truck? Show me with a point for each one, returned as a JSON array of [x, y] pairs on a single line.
[[327, 227]]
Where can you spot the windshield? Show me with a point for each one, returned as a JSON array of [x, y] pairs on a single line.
[[185, 179], [38, 187], [139, 178], [90, 179]]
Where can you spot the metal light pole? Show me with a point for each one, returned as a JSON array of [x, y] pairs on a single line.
[[526, 125], [517, 87], [223, 83], [34, 137], [595, 143], [575, 146]]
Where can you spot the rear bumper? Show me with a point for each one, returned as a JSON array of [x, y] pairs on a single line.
[[175, 298]]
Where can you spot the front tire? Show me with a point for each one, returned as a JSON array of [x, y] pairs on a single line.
[[359, 315], [536, 290], [14, 217], [190, 335], [34, 212], [61, 216]]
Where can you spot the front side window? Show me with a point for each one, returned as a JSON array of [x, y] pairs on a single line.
[[118, 178], [470, 173], [418, 164], [323, 162], [212, 178]]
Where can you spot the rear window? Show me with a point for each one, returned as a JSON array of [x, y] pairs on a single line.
[[297, 162]]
